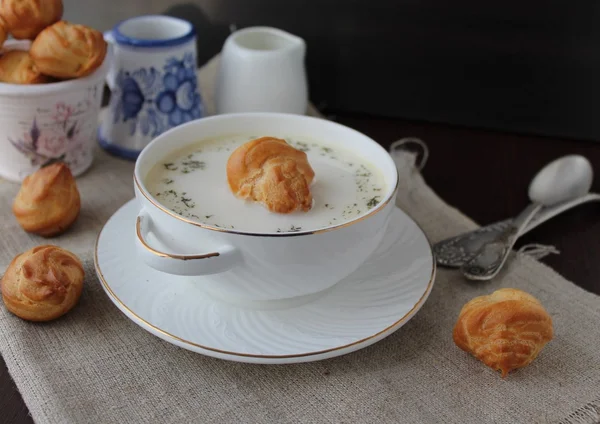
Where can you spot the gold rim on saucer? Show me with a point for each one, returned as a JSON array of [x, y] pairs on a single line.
[[402, 320]]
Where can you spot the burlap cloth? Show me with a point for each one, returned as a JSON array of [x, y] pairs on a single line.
[[96, 366]]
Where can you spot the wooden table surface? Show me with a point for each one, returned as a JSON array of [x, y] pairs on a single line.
[[485, 175]]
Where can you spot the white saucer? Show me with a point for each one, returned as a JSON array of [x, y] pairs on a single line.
[[376, 300]]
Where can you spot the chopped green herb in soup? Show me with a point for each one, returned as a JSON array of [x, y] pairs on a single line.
[[193, 184]]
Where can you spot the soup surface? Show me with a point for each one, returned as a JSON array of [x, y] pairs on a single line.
[[193, 184]]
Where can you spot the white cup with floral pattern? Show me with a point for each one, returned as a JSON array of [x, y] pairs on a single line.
[[41, 123], [153, 82]]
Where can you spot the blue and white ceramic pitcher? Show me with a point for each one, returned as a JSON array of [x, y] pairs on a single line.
[[153, 82]]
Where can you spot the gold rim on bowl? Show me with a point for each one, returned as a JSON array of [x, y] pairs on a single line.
[[377, 209], [140, 187]]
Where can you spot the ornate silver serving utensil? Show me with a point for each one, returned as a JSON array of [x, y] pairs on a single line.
[[563, 179], [455, 251]]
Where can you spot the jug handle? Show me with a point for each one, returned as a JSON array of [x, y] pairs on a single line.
[[110, 76]]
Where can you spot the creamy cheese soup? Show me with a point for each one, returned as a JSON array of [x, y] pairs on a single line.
[[193, 184]]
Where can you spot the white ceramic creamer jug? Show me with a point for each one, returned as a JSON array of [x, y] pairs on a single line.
[[262, 70]]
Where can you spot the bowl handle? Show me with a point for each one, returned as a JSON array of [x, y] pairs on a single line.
[[220, 260]]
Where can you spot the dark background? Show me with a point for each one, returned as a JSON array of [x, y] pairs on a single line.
[[528, 67]]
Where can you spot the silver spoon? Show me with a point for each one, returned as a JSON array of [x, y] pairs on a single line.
[[561, 180]]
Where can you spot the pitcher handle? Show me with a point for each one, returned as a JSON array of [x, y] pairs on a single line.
[[110, 76], [214, 262]]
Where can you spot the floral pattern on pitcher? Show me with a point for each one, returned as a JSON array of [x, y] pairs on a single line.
[[57, 134], [152, 101]]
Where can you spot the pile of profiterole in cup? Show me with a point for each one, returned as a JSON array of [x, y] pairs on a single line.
[[59, 50]]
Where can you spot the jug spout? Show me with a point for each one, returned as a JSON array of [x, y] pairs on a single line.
[[268, 39]]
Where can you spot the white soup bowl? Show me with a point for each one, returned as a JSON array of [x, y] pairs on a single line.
[[249, 266]]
